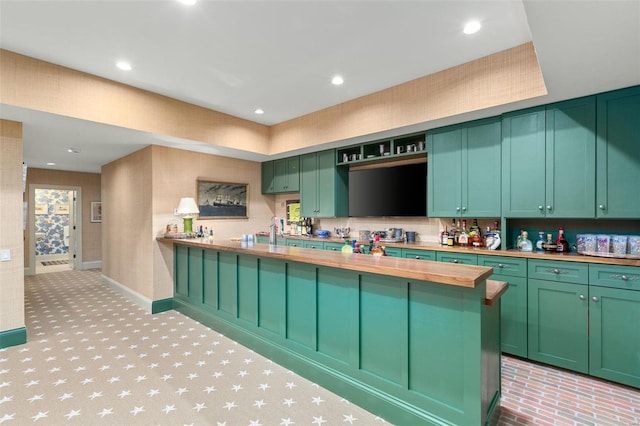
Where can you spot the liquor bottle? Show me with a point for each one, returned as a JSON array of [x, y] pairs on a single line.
[[563, 245], [454, 231], [376, 249], [518, 239], [540, 242], [451, 237], [211, 235], [475, 234], [525, 242], [463, 238], [496, 227], [347, 248], [444, 237], [549, 245]]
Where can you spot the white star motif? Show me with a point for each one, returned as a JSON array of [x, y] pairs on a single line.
[[74, 358], [6, 399], [87, 380], [113, 380], [153, 392], [230, 351], [154, 365], [4, 384], [54, 370], [222, 423], [29, 370], [230, 405], [168, 408], [349, 419], [217, 374], [318, 420], [209, 389], [259, 403], [201, 363], [129, 366], [59, 382], [199, 406], [105, 411], [35, 398], [124, 393], [187, 353], [248, 361], [72, 413], [7, 417], [164, 355], [267, 372], [255, 423], [40, 415], [51, 358], [243, 373], [79, 369], [236, 388], [177, 364], [137, 410], [166, 377], [4, 371], [225, 362], [209, 352], [95, 395], [140, 379], [290, 385], [286, 422], [288, 402], [192, 376], [180, 391], [104, 367], [32, 383], [65, 396], [317, 400], [264, 386]]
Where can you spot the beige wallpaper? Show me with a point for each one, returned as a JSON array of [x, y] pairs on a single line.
[[11, 272], [42, 86], [89, 184]]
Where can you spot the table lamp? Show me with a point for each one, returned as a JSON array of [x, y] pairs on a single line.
[[186, 208]]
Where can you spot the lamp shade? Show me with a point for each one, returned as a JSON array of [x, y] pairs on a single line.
[[187, 206]]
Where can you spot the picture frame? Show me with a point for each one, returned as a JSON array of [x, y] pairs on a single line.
[[293, 212], [222, 200], [41, 208], [96, 211]]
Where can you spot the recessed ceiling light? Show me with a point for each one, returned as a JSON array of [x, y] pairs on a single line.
[[337, 80], [51, 164], [188, 2], [73, 150], [259, 111], [123, 65], [472, 27]]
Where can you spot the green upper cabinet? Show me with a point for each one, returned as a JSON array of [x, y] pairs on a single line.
[[618, 154], [280, 176], [464, 170], [323, 186], [548, 161]]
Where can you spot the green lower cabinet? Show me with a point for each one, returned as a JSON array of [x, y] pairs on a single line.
[[295, 243], [262, 239], [558, 324], [319, 245], [333, 246], [614, 341], [419, 254], [461, 258], [393, 251]]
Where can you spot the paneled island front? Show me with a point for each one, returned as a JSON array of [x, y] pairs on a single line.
[[413, 342]]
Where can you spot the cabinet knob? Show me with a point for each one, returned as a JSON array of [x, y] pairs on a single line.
[[556, 271], [549, 208], [464, 209], [334, 249], [417, 257], [457, 209], [595, 299], [540, 207], [624, 278], [454, 261], [582, 297], [601, 206], [500, 265]]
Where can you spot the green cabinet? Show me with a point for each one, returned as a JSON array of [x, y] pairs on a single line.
[[393, 251], [464, 170], [329, 246], [319, 245], [513, 304], [323, 186], [548, 161], [461, 258], [419, 254], [294, 243], [618, 154], [281, 176]]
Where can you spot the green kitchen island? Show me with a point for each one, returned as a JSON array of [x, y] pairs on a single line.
[[413, 342]]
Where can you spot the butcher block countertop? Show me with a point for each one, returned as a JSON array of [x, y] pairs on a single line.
[[442, 273]]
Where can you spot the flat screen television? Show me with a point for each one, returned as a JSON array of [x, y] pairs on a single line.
[[388, 191]]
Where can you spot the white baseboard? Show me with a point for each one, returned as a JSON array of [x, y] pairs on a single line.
[[128, 294], [96, 264]]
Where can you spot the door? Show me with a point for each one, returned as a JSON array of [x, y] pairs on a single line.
[[481, 165], [444, 172], [71, 237]]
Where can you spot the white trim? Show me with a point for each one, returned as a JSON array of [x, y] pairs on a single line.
[[96, 264], [128, 294]]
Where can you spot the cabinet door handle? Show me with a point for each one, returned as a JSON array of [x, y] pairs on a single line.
[[624, 278], [582, 297], [595, 299], [556, 271], [549, 208], [457, 209], [601, 206], [417, 257], [540, 207], [334, 249], [454, 261], [464, 209], [500, 265]]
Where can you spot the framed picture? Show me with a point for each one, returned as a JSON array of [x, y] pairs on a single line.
[[293, 212], [222, 200], [96, 211], [42, 208]]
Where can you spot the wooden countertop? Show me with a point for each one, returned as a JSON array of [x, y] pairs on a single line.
[[443, 273], [495, 290], [568, 257]]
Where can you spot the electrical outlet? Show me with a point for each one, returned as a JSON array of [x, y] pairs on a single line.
[[5, 255], [175, 211]]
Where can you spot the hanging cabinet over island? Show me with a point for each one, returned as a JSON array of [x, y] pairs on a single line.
[[413, 342]]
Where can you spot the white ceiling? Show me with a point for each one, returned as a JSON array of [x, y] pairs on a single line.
[[236, 56]]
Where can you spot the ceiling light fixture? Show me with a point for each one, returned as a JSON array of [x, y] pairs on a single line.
[[51, 164], [337, 80], [188, 2], [259, 111], [73, 150], [472, 27], [123, 65]]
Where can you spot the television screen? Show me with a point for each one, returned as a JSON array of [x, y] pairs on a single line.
[[388, 191]]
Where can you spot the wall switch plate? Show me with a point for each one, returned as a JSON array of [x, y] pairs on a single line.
[[5, 255]]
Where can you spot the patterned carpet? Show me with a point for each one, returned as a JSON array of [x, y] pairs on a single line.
[[94, 358]]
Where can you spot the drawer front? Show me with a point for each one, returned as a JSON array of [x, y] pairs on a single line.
[[295, 243], [502, 265], [333, 246], [318, 245], [462, 258], [261, 239], [419, 254], [551, 270], [616, 276], [393, 251]]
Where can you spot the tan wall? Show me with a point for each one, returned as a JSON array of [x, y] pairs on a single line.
[[89, 184], [42, 86], [140, 192], [502, 78], [11, 272]]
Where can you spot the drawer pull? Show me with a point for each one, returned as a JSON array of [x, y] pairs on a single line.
[[500, 265], [556, 271], [454, 261], [625, 277], [582, 297], [417, 257], [595, 299]]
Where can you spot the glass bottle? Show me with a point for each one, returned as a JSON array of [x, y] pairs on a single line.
[[540, 242], [518, 239], [475, 234], [347, 248], [496, 227], [549, 246], [525, 242], [444, 237], [463, 238], [563, 245], [211, 235]]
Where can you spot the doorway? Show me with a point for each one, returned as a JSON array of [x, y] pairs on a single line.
[[55, 242]]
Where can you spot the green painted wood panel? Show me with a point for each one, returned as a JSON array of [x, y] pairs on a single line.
[[317, 245], [383, 338], [504, 266], [333, 246], [419, 254], [616, 276], [272, 296], [309, 184], [444, 173], [293, 174], [461, 258], [196, 277], [295, 243], [280, 175], [614, 342], [523, 163], [261, 239], [571, 159], [558, 324], [181, 270], [301, 304], [14, 337], [481, 167], [337, 318], [228, 283], [618, 154], [393, 251], [210, 286], [513, 316], [267, 177], [333, 195], [558, 271], [248, 289]]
